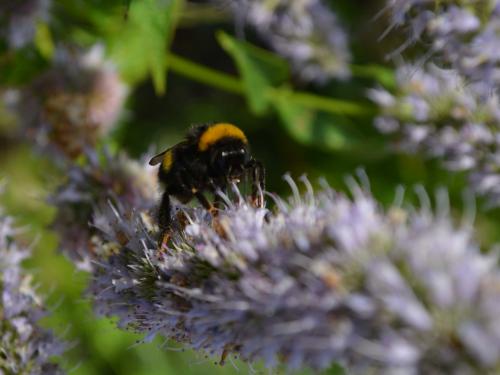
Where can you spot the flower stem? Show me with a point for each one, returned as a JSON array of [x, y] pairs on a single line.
[[321, 103], [205, 75], [229, 83]]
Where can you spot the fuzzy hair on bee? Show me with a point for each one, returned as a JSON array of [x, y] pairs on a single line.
[[210, 158]]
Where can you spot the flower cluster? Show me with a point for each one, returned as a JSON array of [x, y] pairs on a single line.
[[463, 34], [18, 20], [306, 32], [323, 278], [434, 111], [103, 178], [25, 348], [73, 104]]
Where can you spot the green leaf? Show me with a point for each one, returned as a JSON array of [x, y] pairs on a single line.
[[260, 70], [43, 40], [381, 74], [310, 127], [140, 46], [19, 67], [335, 369]]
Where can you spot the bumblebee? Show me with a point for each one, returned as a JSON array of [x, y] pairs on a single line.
[[210, 158]]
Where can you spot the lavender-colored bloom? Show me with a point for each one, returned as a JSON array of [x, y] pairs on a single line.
[[434, 111], [71, 106], [323, 278], [25, 348], [463, 34], [306, 32], [18, 19], [104, 178]]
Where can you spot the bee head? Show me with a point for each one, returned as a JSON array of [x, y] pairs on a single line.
[[229, 157]]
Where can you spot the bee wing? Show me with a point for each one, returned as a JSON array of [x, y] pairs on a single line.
[[157, 159]]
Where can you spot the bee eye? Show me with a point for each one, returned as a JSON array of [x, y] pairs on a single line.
[[242, 151], [224, 154]]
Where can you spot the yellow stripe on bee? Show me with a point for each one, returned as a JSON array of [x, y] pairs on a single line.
[[168, 159], [218, 131]]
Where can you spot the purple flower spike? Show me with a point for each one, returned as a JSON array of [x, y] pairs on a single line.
[[323, 278], [306, 32], [435, 112], [25, 348]]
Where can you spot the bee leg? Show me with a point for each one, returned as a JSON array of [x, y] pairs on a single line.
[[258, 182], [205, 202], [188, 182], [164, 221], [218, 202], [164, 240], [214, 212]]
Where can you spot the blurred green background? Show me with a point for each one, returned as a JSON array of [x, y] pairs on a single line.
[[189, 67]]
